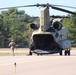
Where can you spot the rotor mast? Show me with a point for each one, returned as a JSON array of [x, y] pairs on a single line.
[[44, 18]]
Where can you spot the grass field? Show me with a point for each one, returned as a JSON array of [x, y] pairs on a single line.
[[16, 54], [17, 51]]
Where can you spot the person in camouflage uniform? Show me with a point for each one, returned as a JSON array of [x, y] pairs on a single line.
[[12, 46]]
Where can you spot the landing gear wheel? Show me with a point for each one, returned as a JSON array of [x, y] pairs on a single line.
[[69, 52], [30, 53], [38, 54], [61, 52], [65, 53]]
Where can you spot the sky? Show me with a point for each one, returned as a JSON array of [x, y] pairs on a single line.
[[34, 11]]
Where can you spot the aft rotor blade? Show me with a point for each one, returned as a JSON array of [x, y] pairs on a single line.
[[18, 7], [64, 6], [60, 9]]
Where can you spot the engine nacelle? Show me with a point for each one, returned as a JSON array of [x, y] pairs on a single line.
[[34, 26], [57, 25]]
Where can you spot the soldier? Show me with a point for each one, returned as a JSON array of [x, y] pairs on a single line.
[[12, 46]]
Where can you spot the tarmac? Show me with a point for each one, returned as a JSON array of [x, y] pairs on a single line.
[[26, 51]]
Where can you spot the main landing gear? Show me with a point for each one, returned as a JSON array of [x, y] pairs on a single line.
[[66, 52]]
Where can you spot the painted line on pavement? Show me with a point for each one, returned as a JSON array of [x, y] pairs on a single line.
[[36, 60]]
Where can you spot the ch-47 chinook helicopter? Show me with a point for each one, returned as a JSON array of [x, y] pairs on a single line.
[[50, 37]]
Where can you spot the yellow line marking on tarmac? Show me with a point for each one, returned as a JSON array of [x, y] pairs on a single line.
[[32, 60], [6, 64], [36, 60], [43, 59], [21, 62]]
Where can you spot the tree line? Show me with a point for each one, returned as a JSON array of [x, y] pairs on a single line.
[[15, 24], [70, 24]]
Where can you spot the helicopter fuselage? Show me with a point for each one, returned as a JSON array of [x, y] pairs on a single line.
[[49, 38]]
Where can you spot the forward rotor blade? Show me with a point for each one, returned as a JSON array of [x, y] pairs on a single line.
[[59, 16]]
